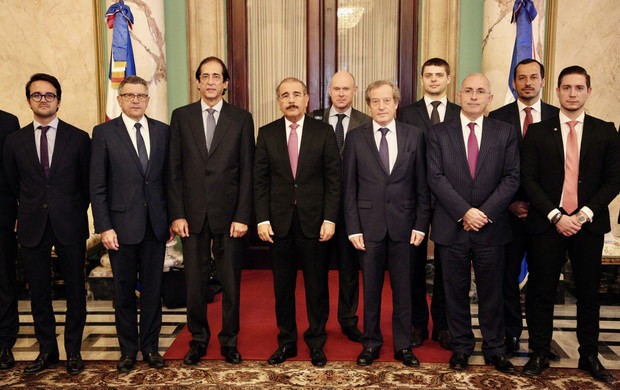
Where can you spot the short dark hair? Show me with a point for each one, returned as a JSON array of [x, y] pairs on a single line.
[[44, 77], [436, 61], [529, 61], [225, 74], [575, 69], [133, 80]]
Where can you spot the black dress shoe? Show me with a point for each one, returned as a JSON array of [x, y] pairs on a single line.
[[196, 351], [6, 359], [501, 363], [154, 359], [444, 338], [459, 361], [595, 368], [318, 357], [282, 353], [407, 357], [231, 355], [353, 333], [418, 336], [367, 356], [512, 345], [43, 361], [75, 365], [553, 355], [126, 363], [536, 365]]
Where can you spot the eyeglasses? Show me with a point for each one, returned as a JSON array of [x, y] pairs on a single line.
[[131, 96], [294, 95], [37, 97], [215, 77]]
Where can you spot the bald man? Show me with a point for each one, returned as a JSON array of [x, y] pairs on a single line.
[[473, 170], [343, 118]]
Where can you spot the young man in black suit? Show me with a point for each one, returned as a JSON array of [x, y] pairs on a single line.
[[432, 109], [297, 178], [46, 165], [570, 172], [129, 208]]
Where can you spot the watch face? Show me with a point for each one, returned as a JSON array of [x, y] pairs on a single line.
[[581, 219]]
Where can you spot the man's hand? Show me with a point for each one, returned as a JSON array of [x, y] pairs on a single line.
[[568, 226], [358, 242], [238, 229], [327, 231], [265, 232], [171, 237], [416, 238], [474, 219], [109, 240], [15, 229], [180, 227], [519, 208]]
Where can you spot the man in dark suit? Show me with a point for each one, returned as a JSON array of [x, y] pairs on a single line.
[[473, 171], [129, 209], [210, 199], [297, 178], [570, 172], [386, 203], [343, 118], [9, 321], [432, 109], [529, 77], [46, 166]]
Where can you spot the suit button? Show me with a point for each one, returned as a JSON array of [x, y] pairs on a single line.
[[44, 205], [146, 182], [145, 204], [294, 185], [579, 181]]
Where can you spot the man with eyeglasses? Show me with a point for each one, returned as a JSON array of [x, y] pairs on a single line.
[[473, 170], [127, 191], [210, 199], [297, 178], [46, 166]]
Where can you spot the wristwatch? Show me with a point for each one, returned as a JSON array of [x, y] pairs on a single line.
[[582, 218]]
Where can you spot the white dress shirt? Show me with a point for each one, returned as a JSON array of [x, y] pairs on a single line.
[[144, 131], [333, 119], [536, 113], [50, 135], [390, 137], [299, 131], [205, 114], [441, 109], [465, 129]]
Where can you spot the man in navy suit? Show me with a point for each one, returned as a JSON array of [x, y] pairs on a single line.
[[570, 172], [386, 204], [432, 109], [473, 170], [46, 167], [129, 208], [529, 77]]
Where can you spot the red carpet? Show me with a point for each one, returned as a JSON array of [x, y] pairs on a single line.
[[257, 337]]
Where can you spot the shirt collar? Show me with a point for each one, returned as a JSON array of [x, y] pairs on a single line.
[[390, 126], [53, 124], [536, 106], [300, 122], [333, 112], [130, 123], [428, 100], [564, 118], [465, 120], [218, 106]]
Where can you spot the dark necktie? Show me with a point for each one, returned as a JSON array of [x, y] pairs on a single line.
[[340, 131], [45, 161], [528, 119], [435, 113], [142, 155], [472, 149], [383, 150], [210, 127]]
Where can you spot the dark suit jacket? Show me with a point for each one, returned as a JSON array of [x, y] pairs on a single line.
[[63, 197], [377, 203], [122, 196], [542, 167], [316, 189], [214, 185], [357, 119], [496, 181], [416, 114], [8, 204]]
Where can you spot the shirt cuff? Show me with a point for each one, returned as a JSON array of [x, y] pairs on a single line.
[[419, 232], [551, 214], [355, 235], [264, 223], [586, 210], [333, 223]]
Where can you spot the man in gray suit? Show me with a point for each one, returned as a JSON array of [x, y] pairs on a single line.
[[473, 171], [343, 118]]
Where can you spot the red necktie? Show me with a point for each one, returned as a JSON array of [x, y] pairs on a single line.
[[571, 170], [472, 149], [293, 154], [528, 119]]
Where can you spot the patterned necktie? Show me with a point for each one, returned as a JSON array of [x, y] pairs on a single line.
[[45, 162], [340, 131], [383, 150], [435, 113], [472, 149], [571, 171], [142, 155], [210, 127], [293, 153], [528, 119]]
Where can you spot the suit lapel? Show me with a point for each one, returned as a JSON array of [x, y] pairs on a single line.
[[356, 120], [458, 144], [282, 147], [515, 120], [31, 149], [452, 112], [556, 133], [401, 140], [196, 125], [60, 143], [586, 139], [123, 136], [372, 146], [156, 144], [304, 148], [485, 143], [423, 112]]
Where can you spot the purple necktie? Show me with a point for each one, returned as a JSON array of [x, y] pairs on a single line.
[[293, 154], [383, 150], [45, 161], [472, 149]]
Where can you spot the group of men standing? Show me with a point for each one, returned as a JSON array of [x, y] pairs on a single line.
[[333, 183]]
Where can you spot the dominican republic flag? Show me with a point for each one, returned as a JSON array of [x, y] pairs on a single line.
[[120, 20], [523, 13]]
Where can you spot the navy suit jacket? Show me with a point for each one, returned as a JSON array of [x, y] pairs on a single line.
[[62, 197], [416, 114], [8, 203], [492, 189], [124, 198], [377, 203]]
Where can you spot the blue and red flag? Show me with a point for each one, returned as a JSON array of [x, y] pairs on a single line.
[[523, 13]]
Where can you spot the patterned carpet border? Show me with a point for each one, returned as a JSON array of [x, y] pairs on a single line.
[[252, 375]]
